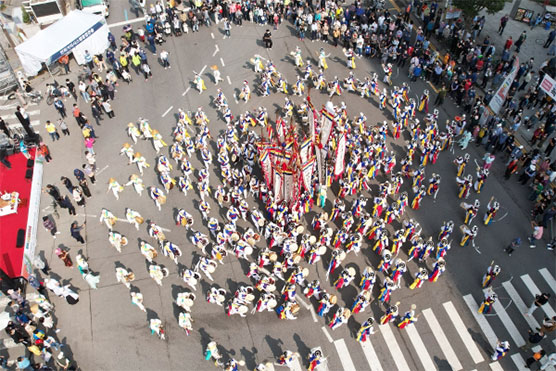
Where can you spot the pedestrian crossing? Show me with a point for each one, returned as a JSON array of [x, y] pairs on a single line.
[[457, 345], [15, 126]]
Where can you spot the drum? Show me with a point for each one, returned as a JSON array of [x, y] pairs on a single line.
[[351, 271], [243, 309], [112, 221], [321, 250], [235, 236], [220, 298], [300, 229], [257, 237], [165, 272], [211, 268], [123, 241], [272, 303], [295, 309], [188, 302], [312, 240], [200, 244], [139, 219], [342, 255], [347, 313], [270, 288], [189, 221], [250, 297], [129, 277], [367, 294], [152, 254], [273, 256], [260, 222], [161, 236], [162, 200], [251, 241], [333, 299], [305, 272], [248, 250], [296, 258]]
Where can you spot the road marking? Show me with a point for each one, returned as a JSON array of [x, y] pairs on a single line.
[[495, 366], [89, 215], [216, 51], [212, 35], [507, 322], [8, 343], [229, 81], [420, 347], [168, 110], [343, 353], [531, 321], [296, 366], [548, 278], [123, 23], [393, 347], [222, 62], [313, 314], [442, 340], [35, 122], [303, 302], [13, 116], [327, 334], [463, 332], [101, 170], [519, 362], [535, 291], [186, 90], [481, 320], [371, 356], [203, 70]]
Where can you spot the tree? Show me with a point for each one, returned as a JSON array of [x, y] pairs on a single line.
[[471, 8]]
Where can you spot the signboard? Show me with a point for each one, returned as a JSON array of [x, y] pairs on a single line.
[[548, 85], [500, 97], [68, 48], [32, 218]]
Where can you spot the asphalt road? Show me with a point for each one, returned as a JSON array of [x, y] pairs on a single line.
[[105, 331]]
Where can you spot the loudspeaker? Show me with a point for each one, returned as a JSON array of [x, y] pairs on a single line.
[[20, 238], [29, 174], [30, 162]]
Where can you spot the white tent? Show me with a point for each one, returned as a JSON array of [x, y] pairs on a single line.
[[76, 32]]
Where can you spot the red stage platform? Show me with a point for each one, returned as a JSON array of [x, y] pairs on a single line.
[[13, 180]]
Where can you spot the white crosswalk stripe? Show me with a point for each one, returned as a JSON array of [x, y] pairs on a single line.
[[13, 116], [393, 347], [7, 343], [481, 320], [420, 347], [296, 365], [462, 332], [371, 356], [495, 366], [519, 362], [548, 278], [535, 291], [442, 340], [510, 289], [508, 323], [343, 353]]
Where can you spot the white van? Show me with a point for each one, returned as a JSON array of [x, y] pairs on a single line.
[[99, 7]]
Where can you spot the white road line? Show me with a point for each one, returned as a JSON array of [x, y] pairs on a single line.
[[442, 340], [7, 343], [168, 110], [303, 302], [463, 332], [229, 81], [327, 334], [510, 289], [535, 291], [13, 116], [371, 356], [313, 314], [216, 51], [481, 320], [222, 62], [343, 353], [123, 23], [102, 170], [420, 347], [519, 362], [508, 323], [212, 35], [89, 215], [296, 366], [35, 122], [393, 347], [186, 90], [203, 70], [495, 366], [548, 278]]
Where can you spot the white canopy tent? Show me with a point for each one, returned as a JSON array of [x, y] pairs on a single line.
[[76, 32]]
